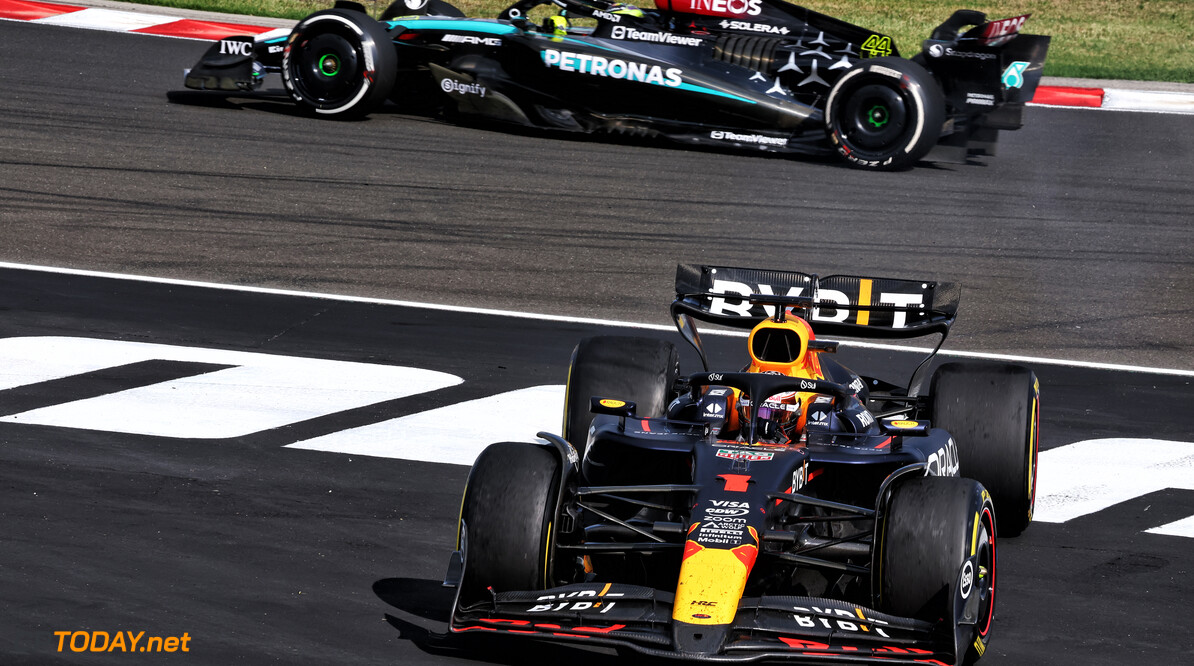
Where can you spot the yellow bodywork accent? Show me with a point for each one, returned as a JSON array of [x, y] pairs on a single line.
[[1032, 444], [864, 298], [974, 538], [711, 583], [547, 557]]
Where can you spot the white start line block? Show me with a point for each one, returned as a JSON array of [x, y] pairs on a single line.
[[262, 391]]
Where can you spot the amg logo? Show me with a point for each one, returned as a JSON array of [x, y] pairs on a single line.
[[472, 39]]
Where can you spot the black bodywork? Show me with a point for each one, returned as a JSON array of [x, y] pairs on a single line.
[[753, 74], [652, 496]]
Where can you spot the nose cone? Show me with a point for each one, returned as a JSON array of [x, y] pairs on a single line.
[[697, 640]]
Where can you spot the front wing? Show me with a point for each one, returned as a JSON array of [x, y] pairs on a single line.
[[801, 629]]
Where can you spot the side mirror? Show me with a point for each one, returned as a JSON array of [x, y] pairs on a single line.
[[614, 407]]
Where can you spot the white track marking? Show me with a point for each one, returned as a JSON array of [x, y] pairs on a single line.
[[1181, 528], [262, 392], [107, 19], [1148, 101], [455, 434], [581, 320], [1088, 476]]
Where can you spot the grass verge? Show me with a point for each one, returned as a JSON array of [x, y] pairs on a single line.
[[1147, 40]]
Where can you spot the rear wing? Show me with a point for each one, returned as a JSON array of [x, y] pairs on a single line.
[[844, 305]]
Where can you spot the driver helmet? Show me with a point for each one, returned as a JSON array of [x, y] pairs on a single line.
[[625, 10], [778, 416]]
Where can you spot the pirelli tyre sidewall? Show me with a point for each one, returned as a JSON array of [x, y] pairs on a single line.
[[884, 114], [937, 557], [339, 63]]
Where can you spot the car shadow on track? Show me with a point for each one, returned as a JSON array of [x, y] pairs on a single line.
[[277, 102], [424, 607]]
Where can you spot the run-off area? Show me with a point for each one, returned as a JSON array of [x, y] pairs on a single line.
[[202, 393]]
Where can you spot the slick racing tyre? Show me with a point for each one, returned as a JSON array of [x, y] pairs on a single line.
[[339, 63], [937, 559], [992, 410], [506, 520], [420, 8], [638, 370], [885, 114]]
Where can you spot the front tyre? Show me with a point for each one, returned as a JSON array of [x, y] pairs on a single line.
[[339, 63], [506, 520], [885, 114], [937, 558]]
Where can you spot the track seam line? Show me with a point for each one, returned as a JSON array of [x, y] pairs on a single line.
[[570, 320]]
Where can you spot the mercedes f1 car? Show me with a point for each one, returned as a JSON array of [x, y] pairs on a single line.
[[747, 74], [791, 510]]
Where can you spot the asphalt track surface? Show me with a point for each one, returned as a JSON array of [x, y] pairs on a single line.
[[264, 554], [1074, 243]]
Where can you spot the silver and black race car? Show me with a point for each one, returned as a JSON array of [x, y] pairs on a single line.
[[747, 74], [790, 509]]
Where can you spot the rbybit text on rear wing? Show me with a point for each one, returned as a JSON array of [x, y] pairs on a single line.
[[842, 305]]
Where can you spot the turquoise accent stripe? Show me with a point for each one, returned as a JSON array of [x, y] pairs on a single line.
[[454, 25], [582, 42], [710, 91]]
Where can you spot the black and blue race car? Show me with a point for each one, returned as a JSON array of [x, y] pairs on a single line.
[[786, 509], [746, 74]]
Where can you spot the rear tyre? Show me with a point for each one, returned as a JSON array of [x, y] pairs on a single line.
[[885, 114], [420, 8], [639, 370], [937, 559], [992, 410], [506, 520], [340, 63]]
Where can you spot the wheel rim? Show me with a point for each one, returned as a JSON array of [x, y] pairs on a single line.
[[327, 69], [874, 117], [329, 65]]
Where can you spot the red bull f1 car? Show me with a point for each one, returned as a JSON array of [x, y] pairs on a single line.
[[787, 509], [743, 74]]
